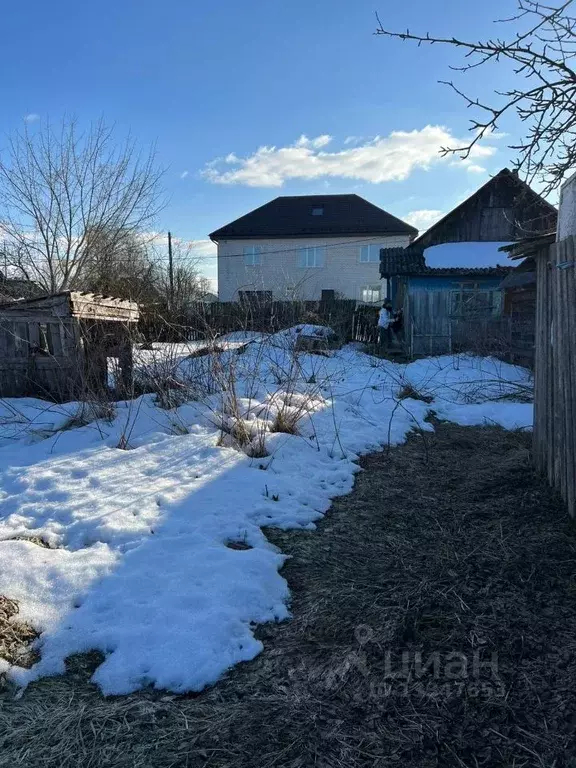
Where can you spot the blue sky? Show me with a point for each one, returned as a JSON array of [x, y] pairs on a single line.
[[211, 83]]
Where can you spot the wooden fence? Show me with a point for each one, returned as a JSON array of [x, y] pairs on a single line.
[[555, 380], [432, 329], [207, 320]]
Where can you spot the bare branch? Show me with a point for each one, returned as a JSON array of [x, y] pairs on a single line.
[[545, 101], [62, 190]]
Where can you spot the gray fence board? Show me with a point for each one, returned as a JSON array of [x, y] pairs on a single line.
[[555, 379]]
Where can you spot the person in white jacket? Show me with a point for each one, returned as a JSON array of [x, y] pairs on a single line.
[[384, 322]]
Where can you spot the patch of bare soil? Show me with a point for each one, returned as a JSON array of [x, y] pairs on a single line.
[[434, 625]]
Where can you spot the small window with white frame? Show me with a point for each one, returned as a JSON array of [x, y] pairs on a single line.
[[370, 254], [474, 300], [252, 255], [371, 294], [311, 257]]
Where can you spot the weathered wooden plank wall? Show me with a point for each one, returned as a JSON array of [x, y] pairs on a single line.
[[431, 329], [555, 379], [429, 322], [35, 360]]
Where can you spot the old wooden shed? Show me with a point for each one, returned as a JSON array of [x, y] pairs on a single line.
[[58, 346], [448, 281]]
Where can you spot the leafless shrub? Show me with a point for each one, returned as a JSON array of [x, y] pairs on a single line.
[[90, 410], [176, 373]]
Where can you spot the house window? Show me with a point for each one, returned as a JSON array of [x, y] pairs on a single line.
[[370, 254], [252, 255], [318, 210], [469, 300], [311, 257], [371, 294]]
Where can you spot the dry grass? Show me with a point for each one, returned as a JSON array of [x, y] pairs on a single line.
[[212, 349], [448, 546], [38, 540], [286, 421], [408, 392], [15, 636]]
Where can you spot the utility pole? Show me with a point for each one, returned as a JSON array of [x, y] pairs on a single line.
[[170, 270]]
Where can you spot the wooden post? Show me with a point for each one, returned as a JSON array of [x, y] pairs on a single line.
[[170, 271], [126, 362]]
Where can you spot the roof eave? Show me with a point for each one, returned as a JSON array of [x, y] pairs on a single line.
[[461, 272], [216, 236]]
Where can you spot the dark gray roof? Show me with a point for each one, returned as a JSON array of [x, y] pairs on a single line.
[[497, 271], [410, 261], [293, 217]]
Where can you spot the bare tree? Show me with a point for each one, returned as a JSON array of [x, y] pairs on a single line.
[[187, 285], [121, 265], [63, 189], [540, 52]]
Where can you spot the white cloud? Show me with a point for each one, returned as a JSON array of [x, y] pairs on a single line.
[[317, 143], [31, 118], [473, 168], [203, 248], [388, 158], [423, 218], [184, 174]]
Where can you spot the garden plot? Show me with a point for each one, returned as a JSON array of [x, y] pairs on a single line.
[[151, 518]]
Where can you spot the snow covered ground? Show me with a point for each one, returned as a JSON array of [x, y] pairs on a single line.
[[154, 516]]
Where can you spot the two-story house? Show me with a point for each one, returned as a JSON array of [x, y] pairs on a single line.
[[308, 247]]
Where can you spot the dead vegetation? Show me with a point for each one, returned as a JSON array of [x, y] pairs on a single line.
[[38, 540], [286, 421], [15, 636], [408, 392], [456, 547]]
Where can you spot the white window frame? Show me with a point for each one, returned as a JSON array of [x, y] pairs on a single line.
[[464, 304], [252, 256], [371, 294], [312, 257], [370, 254]]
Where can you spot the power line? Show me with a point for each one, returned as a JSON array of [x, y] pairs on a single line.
[[192, 256]]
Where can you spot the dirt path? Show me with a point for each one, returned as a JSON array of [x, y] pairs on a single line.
[[449, 551]]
